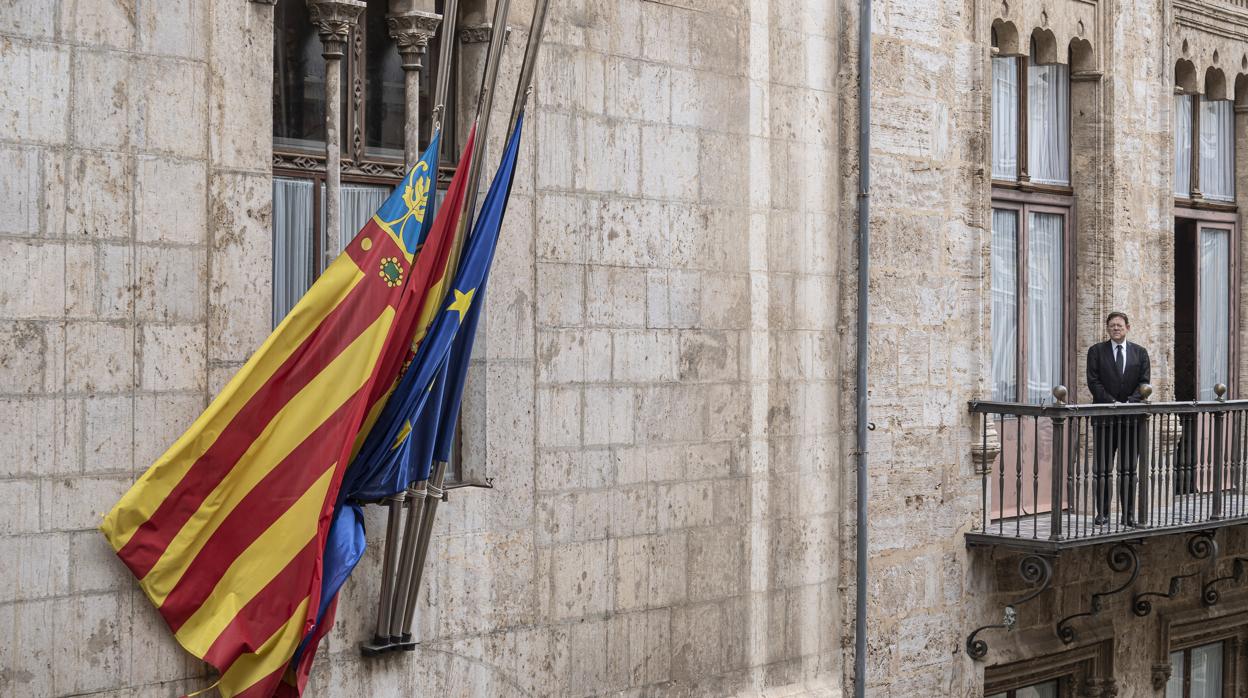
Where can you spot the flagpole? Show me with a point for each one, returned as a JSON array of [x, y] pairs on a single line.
[[399, 550], [434, 486], [525, 84]]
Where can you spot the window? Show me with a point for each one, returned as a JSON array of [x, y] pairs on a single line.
[[1044, 107], [1204, 148], [1029, 270], [372, 135], [1048, 689], [1196, 672]]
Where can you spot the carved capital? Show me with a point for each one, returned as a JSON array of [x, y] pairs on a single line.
[[986, 448], [1161, 675], [480, 33], [1100, 688], [412, 31], [334, 20]]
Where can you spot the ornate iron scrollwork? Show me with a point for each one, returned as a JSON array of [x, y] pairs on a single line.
[[1121, 558], [1037, 572], [1210, 596], [1200, 546]]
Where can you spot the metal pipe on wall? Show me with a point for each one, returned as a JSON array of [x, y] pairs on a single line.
[[864, 257]]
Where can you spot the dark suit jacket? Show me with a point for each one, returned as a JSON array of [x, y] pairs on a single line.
[[1103, 378]]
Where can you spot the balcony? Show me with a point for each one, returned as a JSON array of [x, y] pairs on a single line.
[[1060, 476]]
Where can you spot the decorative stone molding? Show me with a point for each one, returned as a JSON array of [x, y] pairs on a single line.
[[1161, 675], [412, 31], [334, 20], [479, 33], [265, 2], [986, 448]]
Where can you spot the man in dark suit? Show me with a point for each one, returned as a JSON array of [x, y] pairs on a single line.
[[1116, 370]]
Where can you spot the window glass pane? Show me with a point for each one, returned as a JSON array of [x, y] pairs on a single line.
[[1048, 123], [1174, 687], [996, 695], [1004, 305], [1040, 690], [1183, 145], [1005, 118], [1213, 314], [1217, 149], [292, 243], [1207, 671], [358, 204], [298, 78], [384, 88], [1044, 305]]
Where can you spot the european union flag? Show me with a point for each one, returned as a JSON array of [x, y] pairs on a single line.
[[418, 422]]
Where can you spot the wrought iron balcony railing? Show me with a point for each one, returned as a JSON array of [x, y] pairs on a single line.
[[1059, 476]]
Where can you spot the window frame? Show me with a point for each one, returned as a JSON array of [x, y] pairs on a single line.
[[1023, 181], [1196, 628], [1207, 216], [1026, 203], [1073, 669], [1195, 199]]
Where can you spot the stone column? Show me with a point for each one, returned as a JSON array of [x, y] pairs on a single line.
[[412, 30], [474, 46], [334, 20]]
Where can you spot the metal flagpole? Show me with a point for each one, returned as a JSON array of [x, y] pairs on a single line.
[[484, 107], [399, 552]]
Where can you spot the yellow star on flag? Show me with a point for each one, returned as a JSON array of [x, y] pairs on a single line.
[[462, 301]]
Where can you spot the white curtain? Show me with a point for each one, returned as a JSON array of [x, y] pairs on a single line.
[[1044, 305], [1213, 336], [1217, 149], [1048, 123], [1040, 690], [1174, 687], [1005, 118], [1004, 305], [292, 243], [1207, 671], [1183, 146], [359, 203]]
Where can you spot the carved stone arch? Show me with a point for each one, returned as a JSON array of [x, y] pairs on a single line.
[[1005, 37], [1185, 76], [1043, 48], [1215, 84], [1082, 60]]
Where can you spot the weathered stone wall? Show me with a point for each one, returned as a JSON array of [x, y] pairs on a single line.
[[655, 391], [135, 191]]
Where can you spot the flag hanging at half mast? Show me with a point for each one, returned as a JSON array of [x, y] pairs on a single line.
[[226, 531]]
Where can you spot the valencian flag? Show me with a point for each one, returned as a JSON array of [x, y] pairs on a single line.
[[426, 400], [226, 531]]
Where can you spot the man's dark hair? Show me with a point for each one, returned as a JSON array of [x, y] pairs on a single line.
[[1122, 315]]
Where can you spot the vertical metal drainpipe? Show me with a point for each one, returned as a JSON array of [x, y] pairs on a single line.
[[864, 256]]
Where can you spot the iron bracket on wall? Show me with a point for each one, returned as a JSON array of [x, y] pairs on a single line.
[[1201, 546], [1210, 596], [1036, 571], [1122, 557]]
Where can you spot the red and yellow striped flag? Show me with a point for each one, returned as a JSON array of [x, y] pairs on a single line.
[[225, 532]]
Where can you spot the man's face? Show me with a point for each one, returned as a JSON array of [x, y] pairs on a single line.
[[1117, 329]]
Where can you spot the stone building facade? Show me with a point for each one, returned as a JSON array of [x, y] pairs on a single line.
[[662, 395]]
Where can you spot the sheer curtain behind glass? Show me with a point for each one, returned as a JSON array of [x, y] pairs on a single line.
[[292, 243], [1047, 689], [1183, 146], [1004, 305], [1213, 337], [1044, 305], [359, 203], [1207, 671], [1217, 149], [1048, 124], [1005, 118]]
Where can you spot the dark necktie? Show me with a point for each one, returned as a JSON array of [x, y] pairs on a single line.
[[1118, 359]]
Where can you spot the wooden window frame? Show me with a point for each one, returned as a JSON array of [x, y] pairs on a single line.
[[1197, 628], [1195, 199], [1209, 217], [1023, 182], [1024, 203]]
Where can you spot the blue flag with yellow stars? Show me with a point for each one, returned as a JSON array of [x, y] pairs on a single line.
[[392, 456]]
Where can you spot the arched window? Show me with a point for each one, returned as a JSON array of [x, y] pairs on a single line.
[[1031, 219], [372, 135]]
